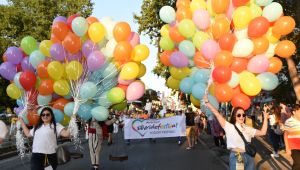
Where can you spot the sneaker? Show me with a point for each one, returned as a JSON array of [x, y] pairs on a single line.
[[188, 148], [179, 142], [275, 155], [196, 142]]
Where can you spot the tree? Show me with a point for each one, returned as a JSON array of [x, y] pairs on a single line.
[[20, 18]]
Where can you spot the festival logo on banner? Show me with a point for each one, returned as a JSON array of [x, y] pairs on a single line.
[[154, 125]]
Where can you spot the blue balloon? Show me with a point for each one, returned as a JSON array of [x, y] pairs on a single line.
[[110, 71], [84, 111], [206, 110], [100, 113], [213, 101], [186, 85], [88, 90], [103, 101], [80, 26], [44, 100], [69, 96], [198, 90], [17, 81], [35, 58], [68, 109], [19, 102], [39, 111], [59, 115], [188, 48], [24, 117], [201, 76], [268, 81]]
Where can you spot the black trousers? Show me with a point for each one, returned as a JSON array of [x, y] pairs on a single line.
[[38, 160], [296, 159]]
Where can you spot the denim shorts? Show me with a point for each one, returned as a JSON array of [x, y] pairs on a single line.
[[248, 161]]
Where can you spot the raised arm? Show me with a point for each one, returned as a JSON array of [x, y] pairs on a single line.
[[287, 146], [219, 117], [264, 128], [25, 128]]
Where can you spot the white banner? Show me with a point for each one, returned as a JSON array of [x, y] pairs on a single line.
[[155, 128]]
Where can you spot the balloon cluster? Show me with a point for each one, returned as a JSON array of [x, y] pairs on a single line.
[[228, 48], [86, 67]]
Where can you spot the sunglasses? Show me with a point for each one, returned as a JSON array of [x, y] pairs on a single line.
[[45, 115], [239, 115]]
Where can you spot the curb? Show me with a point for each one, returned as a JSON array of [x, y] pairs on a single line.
[[8, 154]]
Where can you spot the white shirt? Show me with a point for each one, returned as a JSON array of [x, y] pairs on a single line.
[[234, 140], [44, 139], [3, 130], [272, 119]]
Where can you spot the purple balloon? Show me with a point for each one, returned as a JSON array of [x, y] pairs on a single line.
[[55, 96], [58, 52], [60, 19], [77, 56], [258, 64], [95, 60], [179, 60], [8, 70], [26, 65], [14, 55], [89, 47]]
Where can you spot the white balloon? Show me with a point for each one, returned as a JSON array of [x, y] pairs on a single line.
[[109, 25], [272, 11], [271, 50], [167, 14], [235, 80], [108, 51], [243, 48], [241, 34]]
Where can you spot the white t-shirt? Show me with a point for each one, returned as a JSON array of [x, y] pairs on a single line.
[[234, 140], [44, 140], [3, 130]]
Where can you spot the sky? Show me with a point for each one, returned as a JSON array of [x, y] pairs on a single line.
[[123, 10]]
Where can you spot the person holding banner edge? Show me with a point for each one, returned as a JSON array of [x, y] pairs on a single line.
[[235, 142]]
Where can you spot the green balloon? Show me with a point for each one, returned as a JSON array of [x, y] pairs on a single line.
[[29, 44], [116, 95], [120, 106], [263, 2], [166, 43], [187, 28]]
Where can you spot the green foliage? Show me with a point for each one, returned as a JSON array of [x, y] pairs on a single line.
[[20, 18]]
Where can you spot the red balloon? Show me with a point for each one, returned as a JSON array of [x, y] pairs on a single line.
[[221, 74], [223, 92], [237, 90], [60, 104], [27, 80], [72, 43], [70, 19], [32, 117], [258, 27], [227, 41], [123, 87], [238, 3], [239, 64], [60, 30], [241, 100]]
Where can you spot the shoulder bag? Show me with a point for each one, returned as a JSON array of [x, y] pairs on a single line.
[[250, 148]]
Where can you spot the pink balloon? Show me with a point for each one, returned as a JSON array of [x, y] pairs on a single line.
[[258, 64], [209, 49], [124, 82], [230, 10], [201, 19], [135, 91], [134, 39]]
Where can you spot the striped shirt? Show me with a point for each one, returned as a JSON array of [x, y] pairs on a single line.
[[292, 126]]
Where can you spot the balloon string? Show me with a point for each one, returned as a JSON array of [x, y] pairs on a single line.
[[210, 80]]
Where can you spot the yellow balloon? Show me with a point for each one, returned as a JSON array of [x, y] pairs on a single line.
[[211, 89], [250, 86], [173, 83], [273, 38], [242, 17], [140, 53], [13, 91], [84, 38], [129, 71], [195, 101], [256, 10], [74, 70], [45, 47], [96, 32], [61, 87], [197, 4], [245, 75], [179, 73], [66, 120], [199, 38], [164, 31], [209, 8], [142, 70], [55, 70]]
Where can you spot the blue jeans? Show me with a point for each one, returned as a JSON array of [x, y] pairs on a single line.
[[248, 161]]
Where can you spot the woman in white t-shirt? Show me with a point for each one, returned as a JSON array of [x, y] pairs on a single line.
[[44, 134], [234, 141]]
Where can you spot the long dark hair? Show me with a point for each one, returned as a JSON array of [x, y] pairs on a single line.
[[233, 115], [40, 122]]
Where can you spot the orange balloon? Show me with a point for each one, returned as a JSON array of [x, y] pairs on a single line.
[[223, 92], [33, 117], [275, 65], [183, 13], [46, 87], [175, 35], [91, 20], [72, 43], [122, 31], [261, 45], [60, 30], [236, 90], [258, 27], [183, 4], [284, 25], [42, 69], [223, 58], [227, 41], [165, 58], [4, 58], [285, 49], [220, 27], [54, 39], [200, 61], [60, 104], [122, 51], [220, 6], [239, 64]]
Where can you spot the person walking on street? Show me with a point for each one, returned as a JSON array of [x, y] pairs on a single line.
[[235, 143], [44, 134], [3, 131], [190, 130]]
